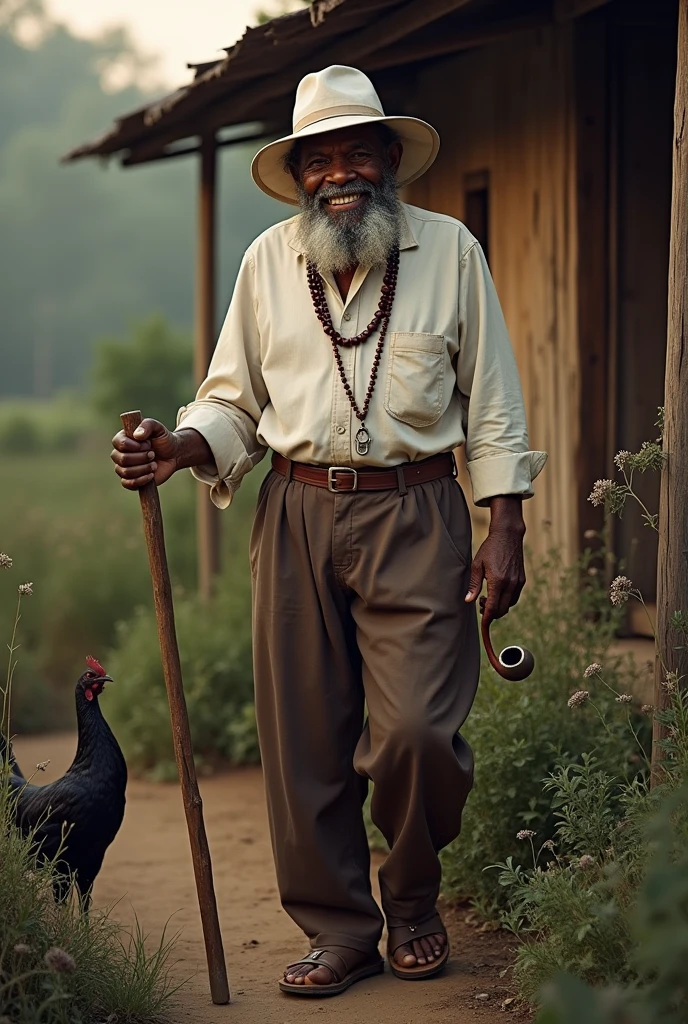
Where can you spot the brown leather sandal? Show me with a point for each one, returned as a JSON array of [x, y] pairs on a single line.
[[343, 977], [402, 935]]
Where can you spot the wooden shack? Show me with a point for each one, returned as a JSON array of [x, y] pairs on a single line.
[[556, 126]]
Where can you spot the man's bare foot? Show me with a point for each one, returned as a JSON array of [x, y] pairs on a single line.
[[421, 951], [314, 974]]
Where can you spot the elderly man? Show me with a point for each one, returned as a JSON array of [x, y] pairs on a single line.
[[363, 344]]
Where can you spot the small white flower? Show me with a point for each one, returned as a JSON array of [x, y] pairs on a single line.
[[670, 683], [548, 845], [624, 698], [42, 765], [586, 862], [621, 458], [620, 590], [647, 709], [600, 490], [592, 670], [525, 833], [25, 589], [579, 697], [5, 561]]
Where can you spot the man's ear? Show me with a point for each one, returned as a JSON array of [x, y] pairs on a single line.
[[394, 154]]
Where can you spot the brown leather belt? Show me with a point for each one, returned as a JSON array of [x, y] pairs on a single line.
[[339, 479]]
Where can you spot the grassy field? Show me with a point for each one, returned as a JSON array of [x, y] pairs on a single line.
[[76, 534]]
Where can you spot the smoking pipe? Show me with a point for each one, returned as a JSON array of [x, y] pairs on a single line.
[[514, 663]]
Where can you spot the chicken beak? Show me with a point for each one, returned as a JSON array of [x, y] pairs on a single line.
[[106, 679]]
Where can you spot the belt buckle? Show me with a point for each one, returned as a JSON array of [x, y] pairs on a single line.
[[332, 482]]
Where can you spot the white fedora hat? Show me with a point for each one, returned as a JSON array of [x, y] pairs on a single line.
[[340, 97]]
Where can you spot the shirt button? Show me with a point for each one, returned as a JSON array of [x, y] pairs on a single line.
[[341, 430], [347, 316]]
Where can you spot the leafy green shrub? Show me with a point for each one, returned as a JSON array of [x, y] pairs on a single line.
[[657, 929], [31, 426], [215, 650], [81, 540], [519, 732], [150, 370], [606, 899], [579, 906]]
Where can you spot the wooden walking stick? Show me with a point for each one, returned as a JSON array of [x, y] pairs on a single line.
[[181, 734]]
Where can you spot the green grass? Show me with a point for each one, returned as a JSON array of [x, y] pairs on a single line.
[[58, 966]]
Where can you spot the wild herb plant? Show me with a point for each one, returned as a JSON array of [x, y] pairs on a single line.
[[520, 732], [57, 964], [605, 898]]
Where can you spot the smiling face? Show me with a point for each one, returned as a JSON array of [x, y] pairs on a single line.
[[344, 168], [346, 183]]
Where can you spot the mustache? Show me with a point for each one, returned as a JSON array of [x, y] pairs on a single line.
[[351, 188]]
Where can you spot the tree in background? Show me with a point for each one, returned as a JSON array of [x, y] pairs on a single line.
[[151, 369], [87, 249]]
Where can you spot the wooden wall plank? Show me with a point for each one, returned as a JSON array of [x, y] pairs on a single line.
[[508, 109]]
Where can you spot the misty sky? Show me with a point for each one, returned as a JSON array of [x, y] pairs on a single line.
[[176, 30]]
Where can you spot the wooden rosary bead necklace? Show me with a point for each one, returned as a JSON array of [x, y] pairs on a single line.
[[380, 319]]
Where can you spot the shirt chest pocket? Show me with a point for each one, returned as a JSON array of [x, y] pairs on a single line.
[[415, 378]]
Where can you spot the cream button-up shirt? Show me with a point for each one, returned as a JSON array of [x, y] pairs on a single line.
[[447, 375]]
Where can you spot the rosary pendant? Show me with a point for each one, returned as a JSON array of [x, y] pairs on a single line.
[[363, 441]]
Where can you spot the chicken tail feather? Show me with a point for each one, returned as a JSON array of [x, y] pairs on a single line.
[[7, 754]]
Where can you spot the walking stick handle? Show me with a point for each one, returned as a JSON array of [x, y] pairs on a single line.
[[181, 733]]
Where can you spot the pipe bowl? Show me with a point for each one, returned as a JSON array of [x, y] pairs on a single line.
[[516, 663]]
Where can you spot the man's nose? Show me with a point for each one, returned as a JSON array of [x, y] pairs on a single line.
[[339, 172]]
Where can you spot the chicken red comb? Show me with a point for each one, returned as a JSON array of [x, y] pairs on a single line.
[[95, 665]]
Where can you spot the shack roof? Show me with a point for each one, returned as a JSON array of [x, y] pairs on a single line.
[[254, 84]]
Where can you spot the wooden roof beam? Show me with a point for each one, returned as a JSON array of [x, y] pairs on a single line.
[[356, 46], [134, 160], [564, 10], [445, 44], [241, 105]]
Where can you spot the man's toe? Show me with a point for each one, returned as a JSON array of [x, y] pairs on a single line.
[[405, 956], [320, 976]]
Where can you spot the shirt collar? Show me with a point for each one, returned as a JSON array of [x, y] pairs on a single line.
[[407, 239]]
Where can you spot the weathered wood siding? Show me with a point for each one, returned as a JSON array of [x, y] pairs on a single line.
[[508, 109]]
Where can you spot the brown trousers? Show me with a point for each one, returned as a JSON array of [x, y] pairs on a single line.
[[358, 603]]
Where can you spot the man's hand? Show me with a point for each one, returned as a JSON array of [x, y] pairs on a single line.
[[499, 559], [150, 455], [155, 453]]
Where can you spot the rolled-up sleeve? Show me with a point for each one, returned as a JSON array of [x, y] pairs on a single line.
[[229, 403], [497, 454]]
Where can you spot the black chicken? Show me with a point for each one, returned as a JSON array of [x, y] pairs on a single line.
[[86, 806]]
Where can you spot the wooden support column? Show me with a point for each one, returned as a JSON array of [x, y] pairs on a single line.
[[591, 51], [672, 567], [207, 515]]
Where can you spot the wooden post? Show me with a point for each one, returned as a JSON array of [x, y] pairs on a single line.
[[207, 515], [672, 567]]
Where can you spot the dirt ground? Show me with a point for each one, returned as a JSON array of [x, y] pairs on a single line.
[[148, 869]]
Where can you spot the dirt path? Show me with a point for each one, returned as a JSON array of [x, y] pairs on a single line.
[[148, 868]]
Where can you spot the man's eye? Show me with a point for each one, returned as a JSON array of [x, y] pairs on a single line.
[[360, 154], [315, 162]]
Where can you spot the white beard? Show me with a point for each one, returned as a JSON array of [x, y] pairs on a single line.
[[352, 239]]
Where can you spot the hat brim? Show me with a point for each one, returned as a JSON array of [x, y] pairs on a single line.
[[420, 141]]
